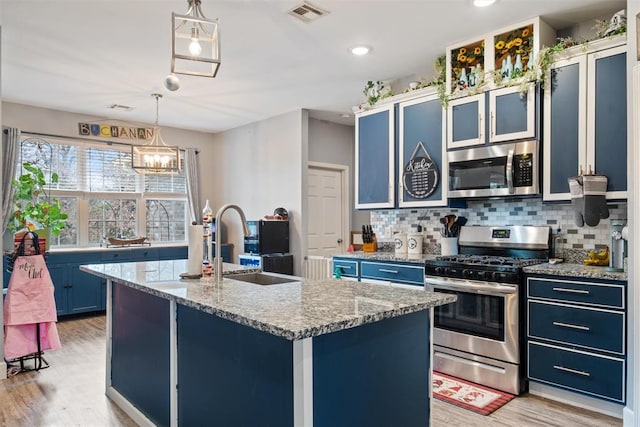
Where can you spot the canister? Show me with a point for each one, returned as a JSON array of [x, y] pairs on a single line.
[[414, 243], [400, 240]]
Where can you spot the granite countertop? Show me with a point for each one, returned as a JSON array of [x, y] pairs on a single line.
[[295, 310], [389, 256], [575, 270]]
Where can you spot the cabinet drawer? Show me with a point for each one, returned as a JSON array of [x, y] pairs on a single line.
[[116, 256], [596, 294], [588, 373], [587, 327], [349, 267], [144, 255], [397, 273]]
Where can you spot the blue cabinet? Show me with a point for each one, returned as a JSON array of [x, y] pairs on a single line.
[[78, 292], [391, 271], [585, 119], [500, 115], [422, 128], [349, 267], [576, 335], [375, 159]]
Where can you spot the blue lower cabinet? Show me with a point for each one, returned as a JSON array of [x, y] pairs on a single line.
[[376, 375], [585, 327], [140, 352], [580, 371], [60, 278], [347, 267], [232, 375], [85, 291], [393, 272]]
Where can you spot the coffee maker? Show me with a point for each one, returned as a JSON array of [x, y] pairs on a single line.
[[618, 233]]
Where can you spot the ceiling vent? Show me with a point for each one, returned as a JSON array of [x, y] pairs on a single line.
[[120, 107], [307, 12]]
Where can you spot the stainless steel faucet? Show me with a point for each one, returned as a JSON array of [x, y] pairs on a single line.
[[218, 255]]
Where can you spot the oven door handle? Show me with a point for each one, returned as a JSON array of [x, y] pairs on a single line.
[[509, 171], [485, 288]]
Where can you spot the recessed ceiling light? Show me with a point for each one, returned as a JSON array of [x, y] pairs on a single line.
[[360, 50], [483, 3]]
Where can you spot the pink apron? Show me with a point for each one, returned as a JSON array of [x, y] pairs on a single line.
[[29, 302]]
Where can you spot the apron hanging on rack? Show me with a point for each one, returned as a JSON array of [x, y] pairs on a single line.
[[29, 307]]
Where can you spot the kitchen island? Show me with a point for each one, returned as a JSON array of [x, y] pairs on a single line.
[[302, 353]]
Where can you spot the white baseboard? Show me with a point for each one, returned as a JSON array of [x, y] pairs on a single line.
[[138, 417], [3, 370], [575, 399]]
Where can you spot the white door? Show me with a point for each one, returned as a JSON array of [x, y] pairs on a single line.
[[325, 220]]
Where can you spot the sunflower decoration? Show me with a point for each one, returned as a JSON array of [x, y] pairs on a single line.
[[463, 60], [513, 49]]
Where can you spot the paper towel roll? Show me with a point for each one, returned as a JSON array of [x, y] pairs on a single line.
[[194, 263]]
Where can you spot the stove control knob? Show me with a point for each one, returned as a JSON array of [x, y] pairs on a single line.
[[447, 271], [482, 275], [467, 273], [495, 276], [439, 270]]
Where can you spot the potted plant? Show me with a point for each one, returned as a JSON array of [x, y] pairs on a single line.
[[33, 208]]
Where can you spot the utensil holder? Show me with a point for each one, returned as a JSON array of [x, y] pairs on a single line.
[[371, 247], [449, 246]]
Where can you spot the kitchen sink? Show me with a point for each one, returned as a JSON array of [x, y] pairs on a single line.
[[262, 278]]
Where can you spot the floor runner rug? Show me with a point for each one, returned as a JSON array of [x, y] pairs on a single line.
[[468, 395]]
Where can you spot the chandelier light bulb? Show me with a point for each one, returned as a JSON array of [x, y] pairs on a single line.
[[194, 47]]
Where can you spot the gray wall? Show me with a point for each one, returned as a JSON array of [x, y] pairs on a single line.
[[259, 167], [335, 144]]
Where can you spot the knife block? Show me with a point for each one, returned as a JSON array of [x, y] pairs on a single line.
[[371, 247]]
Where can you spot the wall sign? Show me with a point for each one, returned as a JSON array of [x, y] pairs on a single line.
[[113, 131], [420, 175]]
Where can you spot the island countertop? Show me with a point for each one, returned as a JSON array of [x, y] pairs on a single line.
[[294, 310]]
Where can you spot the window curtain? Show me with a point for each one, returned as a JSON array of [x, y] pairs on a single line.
[[192, 170], [10, 150]]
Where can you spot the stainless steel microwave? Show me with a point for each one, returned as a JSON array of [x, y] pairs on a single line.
[[495, 170]]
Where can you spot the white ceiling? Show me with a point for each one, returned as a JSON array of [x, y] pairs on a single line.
[[82, 56]]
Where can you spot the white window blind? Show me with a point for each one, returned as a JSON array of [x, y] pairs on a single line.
[[104, 196]]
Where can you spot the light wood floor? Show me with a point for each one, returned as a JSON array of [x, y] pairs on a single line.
[[71, 393]]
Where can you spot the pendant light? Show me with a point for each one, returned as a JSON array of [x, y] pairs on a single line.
[[156, 157], [195, 48]]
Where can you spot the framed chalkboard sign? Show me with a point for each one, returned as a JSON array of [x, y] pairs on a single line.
[[420, 174]]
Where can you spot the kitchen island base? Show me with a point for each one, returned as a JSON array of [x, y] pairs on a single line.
[[229, 374]]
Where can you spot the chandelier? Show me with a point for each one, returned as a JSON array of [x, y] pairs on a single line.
[[156, 157], [195, 47]]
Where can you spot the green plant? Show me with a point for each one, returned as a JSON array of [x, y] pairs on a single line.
[[32, 206], [375, 91]]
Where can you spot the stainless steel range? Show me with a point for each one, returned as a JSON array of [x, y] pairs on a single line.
[[479, 337]]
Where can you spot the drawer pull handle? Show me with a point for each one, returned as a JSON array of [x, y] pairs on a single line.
[[572, 291], [572, 371], [568, 325], [345, 267], [384, 270]]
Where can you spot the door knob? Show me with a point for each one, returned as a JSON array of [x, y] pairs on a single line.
[[339, 241]]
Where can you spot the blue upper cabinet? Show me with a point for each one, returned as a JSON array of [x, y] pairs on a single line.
[[422, 167], [500, 115], [375, 159], [585, 119], [512, 114], [465, 121]]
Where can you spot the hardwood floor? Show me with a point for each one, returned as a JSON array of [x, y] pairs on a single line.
[[71, 393]]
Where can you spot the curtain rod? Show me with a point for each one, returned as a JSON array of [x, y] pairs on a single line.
[[77, 138]]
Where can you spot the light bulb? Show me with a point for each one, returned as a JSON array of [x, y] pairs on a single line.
[[194, 47]]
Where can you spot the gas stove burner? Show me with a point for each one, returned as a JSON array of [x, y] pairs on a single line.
[[490, 260]]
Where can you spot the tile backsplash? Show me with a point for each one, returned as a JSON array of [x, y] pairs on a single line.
[[560, 217]]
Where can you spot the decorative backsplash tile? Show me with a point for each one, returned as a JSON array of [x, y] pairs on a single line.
[[567, 235]]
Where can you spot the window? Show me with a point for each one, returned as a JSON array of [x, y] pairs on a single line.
[[104, 197]]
